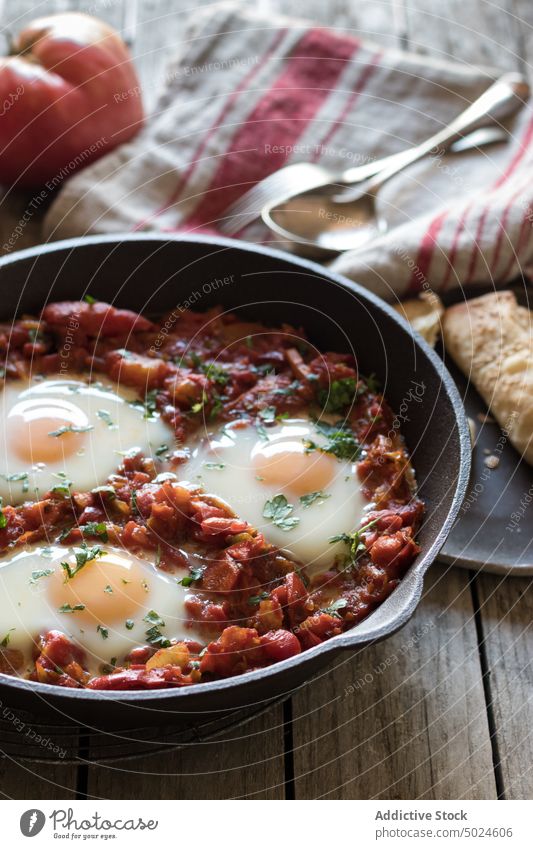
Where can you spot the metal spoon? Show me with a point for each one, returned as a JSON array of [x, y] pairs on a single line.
[[325, 223]]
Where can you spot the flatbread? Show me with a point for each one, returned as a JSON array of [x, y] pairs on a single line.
[[424, 314], [491, 340]]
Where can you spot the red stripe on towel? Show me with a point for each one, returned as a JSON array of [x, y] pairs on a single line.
[[230, 102], [362, 83], [425, 254], [509, 171], [278, 120]]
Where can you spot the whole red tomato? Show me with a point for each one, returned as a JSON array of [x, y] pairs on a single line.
[[69, 94]]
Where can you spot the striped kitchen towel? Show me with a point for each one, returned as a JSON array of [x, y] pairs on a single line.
[[250, 94]]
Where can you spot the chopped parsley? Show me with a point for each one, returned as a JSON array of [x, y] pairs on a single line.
[[83, 555], [339, 395], [217, 466], [163, 449], [107, 492], [278, 510], [150, 404], [5, 642], [216, 373], [290, 389], [129, 623], [34, 334], [268, 414], [256, 599], [89, 300], [18, 476], [195, 574], [105, 416], [356, 546], [310, 498], [95, 529], [103, 631], [108, 589], [337, 605], [67, 608], [3, 517], [341, 441], [62, 488], [196, 408], [40, 573], [153, 634], [71, 429]]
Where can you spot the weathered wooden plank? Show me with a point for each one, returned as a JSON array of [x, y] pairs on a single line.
[[405, 718], [25, 780], [506, 607], [245, 762]]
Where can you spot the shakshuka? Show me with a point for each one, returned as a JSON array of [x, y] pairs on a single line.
[[188, 499]]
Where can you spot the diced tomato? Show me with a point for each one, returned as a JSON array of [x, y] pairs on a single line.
[[95, 319], [394, 552], [279, 645]]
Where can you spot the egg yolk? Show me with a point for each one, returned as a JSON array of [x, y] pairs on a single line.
[[111, 588], [286, 465], [40, 432]]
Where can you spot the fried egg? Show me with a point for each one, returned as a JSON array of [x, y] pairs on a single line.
[[106, 606], [279, 480], [57, 428]]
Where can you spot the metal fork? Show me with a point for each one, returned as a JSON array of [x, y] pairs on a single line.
[[305, 176]]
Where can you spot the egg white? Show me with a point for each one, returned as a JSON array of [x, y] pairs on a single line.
[[222, 463], [116, 423], [28, 608]]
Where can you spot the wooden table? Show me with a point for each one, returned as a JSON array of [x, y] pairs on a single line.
[[444, 708]]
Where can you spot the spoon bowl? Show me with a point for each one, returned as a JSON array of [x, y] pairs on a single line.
[[314, 225]]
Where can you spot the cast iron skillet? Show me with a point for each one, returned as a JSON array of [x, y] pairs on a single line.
[[154, 274]]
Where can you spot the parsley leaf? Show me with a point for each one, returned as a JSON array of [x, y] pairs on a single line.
[[337, 605], [354, 541], [372, 383], [339, 395], [83, 555], [105, 416], [5, 642], [3, 517], [129, 623], [18, 476], [256, 599], [103, 631], [71, 429], [341, 441], [195, 574], [268, 414], [40, 573], [95, 529], [310, 498], [67, 608], [106, 492], [278, 510], [153, 634], [62, 488]]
